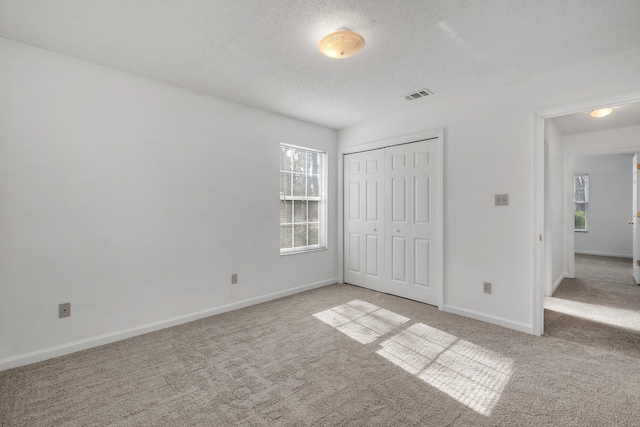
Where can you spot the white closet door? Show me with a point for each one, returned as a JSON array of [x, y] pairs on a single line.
[[364, 219], [412, 246]]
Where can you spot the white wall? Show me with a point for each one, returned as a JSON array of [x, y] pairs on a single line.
[[610, 205], [620, 140], [554, 207], [489, 149], [135, 201]]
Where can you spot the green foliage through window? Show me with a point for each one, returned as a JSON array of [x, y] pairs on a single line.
[[580, 220], [581, 201]]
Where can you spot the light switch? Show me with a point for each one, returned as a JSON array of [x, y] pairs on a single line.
[[502, 200]]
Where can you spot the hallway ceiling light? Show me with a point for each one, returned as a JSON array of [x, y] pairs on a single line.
[[602, 112], [341, 44]]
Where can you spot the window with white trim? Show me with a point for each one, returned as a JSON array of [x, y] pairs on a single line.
[[302, 199], [581, 202]]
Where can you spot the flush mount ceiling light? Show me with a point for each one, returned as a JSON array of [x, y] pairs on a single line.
[[341, 44], [602, 112]]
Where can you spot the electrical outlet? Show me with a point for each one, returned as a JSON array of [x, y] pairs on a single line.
[[502, 200], [64, 310], [234, 278], [487, 287]]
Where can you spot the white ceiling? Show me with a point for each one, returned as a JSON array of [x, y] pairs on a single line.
[[264, 53], [621, 116]]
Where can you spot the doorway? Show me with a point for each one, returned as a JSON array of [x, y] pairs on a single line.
[[558, 272], [598, 306]]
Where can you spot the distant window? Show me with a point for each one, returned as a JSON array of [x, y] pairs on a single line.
[[302, 199], [581, 202]]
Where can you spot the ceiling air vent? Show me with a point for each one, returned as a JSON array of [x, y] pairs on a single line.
[[419, 94]]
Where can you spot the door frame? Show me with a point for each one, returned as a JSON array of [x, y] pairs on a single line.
[[540, 258], [405, 139]]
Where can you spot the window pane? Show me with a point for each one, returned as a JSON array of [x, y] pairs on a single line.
[[285, 183], [283, 157], [580, 216], [581, 188], [286, 154], [313, 188], [285, 211], [300, 211], [313, 163], [299, 184], [299, 161], [313, 234], [313, 211], [581, 199], [286, 237], [300, 235]]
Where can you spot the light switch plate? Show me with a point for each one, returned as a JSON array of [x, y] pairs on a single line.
[[502, 200]]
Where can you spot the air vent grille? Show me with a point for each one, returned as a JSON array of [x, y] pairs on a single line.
[[419, 94]]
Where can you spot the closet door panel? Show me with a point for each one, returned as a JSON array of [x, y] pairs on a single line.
[[399, 259], [425, 221], [354, 253], [422, 261], [399, 208], [373, 255], [364, 218], [410, 226]]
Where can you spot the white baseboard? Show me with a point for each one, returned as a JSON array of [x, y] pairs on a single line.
[[61, 350], [556, 284], [522, 327], [604, 254]]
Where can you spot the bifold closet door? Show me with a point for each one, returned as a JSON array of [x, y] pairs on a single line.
[[364, 219], [412, 249], [391, 220]]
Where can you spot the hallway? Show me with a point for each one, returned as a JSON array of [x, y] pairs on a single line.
[[599, 308]]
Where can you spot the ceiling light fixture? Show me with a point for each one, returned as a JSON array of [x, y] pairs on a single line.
[[602, 112], [341, 44]]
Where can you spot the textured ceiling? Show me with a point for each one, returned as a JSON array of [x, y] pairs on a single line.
[[264, 53], [621, 116]]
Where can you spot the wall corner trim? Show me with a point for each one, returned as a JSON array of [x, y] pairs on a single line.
[[72, 347], [521, 327], [604, 254], [557, 283]]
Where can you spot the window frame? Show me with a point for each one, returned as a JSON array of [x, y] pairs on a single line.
[[579, 202], [321, 199]]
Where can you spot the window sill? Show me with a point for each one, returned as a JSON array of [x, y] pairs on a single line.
[[581, 231], [303, 251]]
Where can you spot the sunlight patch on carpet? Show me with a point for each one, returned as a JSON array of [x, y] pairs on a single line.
[[361, 321], [473, 375], [613, 316]]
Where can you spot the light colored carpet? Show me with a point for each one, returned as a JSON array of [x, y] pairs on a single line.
[[600, 307], [335, 356]]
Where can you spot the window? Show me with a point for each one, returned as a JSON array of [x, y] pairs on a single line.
[[581, 202], [302, 200]]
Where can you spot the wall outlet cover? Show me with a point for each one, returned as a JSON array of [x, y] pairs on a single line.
[[487, 287], [64, 310]]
